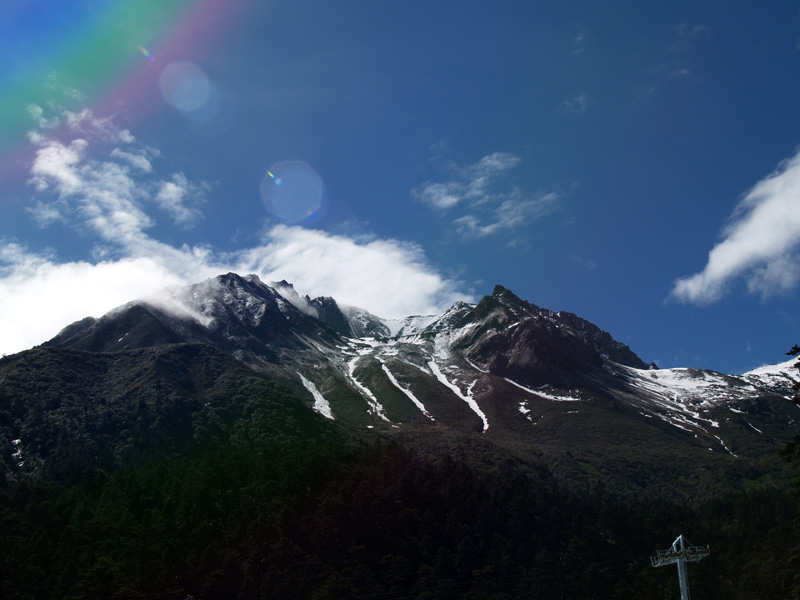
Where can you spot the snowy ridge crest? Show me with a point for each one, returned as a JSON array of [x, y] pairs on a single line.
[[460, 369]]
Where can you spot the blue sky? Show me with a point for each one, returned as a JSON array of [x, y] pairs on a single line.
[[633, 163]]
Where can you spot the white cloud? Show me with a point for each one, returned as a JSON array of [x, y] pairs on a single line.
[[109, 198], [138, 160], [87, 124], [576, 104], [685, 30], [56, 164], [513, 212], [471, 184], [40, 295], [390, 278], [37, 114], [495, 163], [179, 198], [680, 72], [489, 206], [759, 244], [579, 43], [107, 190], [678, 62], [440, 196]]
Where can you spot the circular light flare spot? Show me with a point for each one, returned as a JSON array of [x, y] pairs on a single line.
[[293, 192], [184, 86]]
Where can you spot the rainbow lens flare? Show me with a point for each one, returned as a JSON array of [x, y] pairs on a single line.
[[84, 55]]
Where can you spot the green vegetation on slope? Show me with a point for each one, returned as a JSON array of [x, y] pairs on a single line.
[[181, 474], [256, 521]]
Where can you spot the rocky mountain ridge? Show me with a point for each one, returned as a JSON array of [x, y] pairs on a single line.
[[546, 388]]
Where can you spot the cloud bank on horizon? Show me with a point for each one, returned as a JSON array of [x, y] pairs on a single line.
[[759, 245], [103, 183]]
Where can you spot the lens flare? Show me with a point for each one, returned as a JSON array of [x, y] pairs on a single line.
[[85, 49], [293, 192], [144, 51], [184, 86]]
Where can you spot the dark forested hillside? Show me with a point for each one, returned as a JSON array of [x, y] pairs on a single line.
[[64, 410], [254, 521], [176, 472]]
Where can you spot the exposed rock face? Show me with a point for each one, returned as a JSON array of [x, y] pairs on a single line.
[[548, 388]]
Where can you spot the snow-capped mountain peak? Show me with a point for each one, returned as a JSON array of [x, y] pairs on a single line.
[[503, 368]]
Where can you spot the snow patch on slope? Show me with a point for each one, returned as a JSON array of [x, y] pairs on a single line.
[[407, 392], [321, 405], [468, 398], [678, 396], [408, 325], [786, 369], [539, 392], [374, 404]]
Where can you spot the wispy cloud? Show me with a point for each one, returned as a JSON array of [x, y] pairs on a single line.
[[483, 200], [582, 261], [440, 196], [513, 212], [138, 160], [180, 198], [678, 61], [759, 245], [577, 104], [112, 196], [82, 181], [687, 32], [579, 43], [469, 185]]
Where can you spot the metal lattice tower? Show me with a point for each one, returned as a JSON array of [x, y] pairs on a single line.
[[680, 552]]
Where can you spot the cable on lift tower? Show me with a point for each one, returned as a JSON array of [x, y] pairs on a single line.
[[680, 552]]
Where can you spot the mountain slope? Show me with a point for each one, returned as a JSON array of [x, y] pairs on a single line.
[[500, 378], [62, 410]]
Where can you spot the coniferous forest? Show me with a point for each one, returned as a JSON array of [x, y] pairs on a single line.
[[256, 521], [256, 497]]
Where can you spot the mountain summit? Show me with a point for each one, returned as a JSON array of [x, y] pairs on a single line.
[[548, 389]]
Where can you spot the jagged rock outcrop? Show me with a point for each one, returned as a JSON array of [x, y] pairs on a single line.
[[548, 388]]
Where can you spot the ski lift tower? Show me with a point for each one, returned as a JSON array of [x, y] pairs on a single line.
[[681, 552]]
